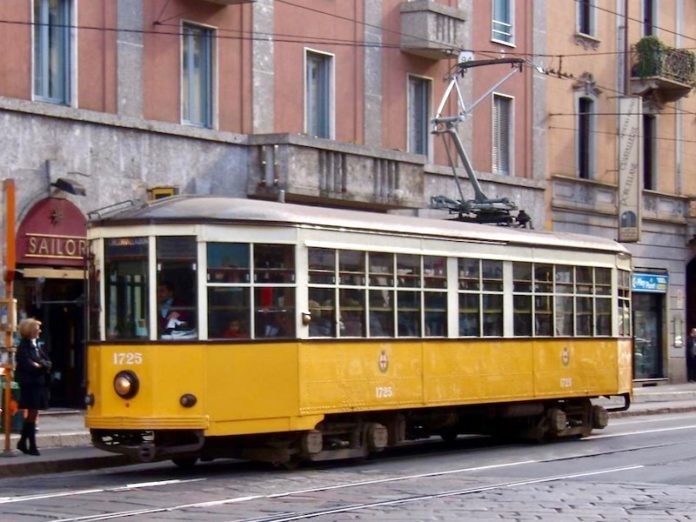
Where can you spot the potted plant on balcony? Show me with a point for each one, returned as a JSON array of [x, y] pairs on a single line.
[[654, 58]]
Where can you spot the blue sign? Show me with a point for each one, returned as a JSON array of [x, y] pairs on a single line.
[[654, 283]]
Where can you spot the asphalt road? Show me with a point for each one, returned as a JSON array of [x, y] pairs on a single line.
[[640, 468]]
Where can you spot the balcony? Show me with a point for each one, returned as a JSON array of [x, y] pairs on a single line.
[[312, 170], [661, 73], [431, 30]]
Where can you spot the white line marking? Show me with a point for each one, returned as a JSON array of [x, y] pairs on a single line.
[[656, 430], [26, 498]]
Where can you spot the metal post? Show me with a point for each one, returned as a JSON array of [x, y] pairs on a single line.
[[10, 261]]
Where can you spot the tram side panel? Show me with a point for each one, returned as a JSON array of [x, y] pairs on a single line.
[[478, 371], [359, 376]]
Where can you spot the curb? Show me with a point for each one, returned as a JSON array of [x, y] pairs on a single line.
[[39, 467]]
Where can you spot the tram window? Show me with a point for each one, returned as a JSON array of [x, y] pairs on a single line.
[[274, 263], [492, 275], [381, 313], [228, 263], [583, 280], [583, 318], [352, 312], [492, 315], [274, 311], [624, 302], [434, 272], [522, 315], [94, 295], [602, 281], [564, 279], [543, 315], [381, 269], [125, 263], [603, 314], [322, 307], [408, 313], [469, 270], [522, 277], [543, 278], [564, 315], [322, 266], [435, 314], [176, 287], [469, 315], [351, 267], [408, 271], [228, 312]]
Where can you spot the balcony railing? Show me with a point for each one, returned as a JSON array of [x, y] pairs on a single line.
[[662, 71], [431, 30]]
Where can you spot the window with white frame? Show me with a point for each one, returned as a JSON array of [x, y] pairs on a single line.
[[502, 27], [52, 50], [418, 115], [586, 17], [585, 137], [318, 94], [502, 135], [197, 75]]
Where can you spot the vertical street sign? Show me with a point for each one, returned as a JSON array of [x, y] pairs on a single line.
[[630, 168]]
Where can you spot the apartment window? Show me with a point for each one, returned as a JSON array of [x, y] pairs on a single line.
[[418, 115], [585, 150], [52, 64], [586, 17], [649, 135], [502, 134], [318, 94], [649, 17], [502, 26], [197, 76]]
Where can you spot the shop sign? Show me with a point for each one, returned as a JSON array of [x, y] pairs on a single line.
[[653, 283], [53, 233]]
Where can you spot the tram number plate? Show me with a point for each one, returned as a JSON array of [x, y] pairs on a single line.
[[128, 358], [384, 392], [566, 382]]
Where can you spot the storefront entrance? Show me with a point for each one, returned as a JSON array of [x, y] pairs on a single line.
[[58, 304], [50, 287], [647, 324]]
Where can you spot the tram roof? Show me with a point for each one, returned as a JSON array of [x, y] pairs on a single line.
[[221, 210]]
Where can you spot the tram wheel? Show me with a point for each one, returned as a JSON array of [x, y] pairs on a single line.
[[185, 462]]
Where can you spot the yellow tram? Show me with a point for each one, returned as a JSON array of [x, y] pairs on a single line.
[[224, 327]]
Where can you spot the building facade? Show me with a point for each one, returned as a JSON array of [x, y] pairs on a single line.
[[619, 133], [325, 102]]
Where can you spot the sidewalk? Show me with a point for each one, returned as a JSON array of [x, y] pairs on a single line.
[[64, 441]]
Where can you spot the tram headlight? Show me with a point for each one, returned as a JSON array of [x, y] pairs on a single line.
[[126, 384]]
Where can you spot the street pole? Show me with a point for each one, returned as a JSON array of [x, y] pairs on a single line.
[[9, 303]]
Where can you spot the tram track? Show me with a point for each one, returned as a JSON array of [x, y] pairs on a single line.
[[403, 499]]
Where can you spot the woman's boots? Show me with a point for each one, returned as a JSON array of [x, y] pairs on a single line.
[[28, 437]]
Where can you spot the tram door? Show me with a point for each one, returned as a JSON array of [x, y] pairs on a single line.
[[58, 304]]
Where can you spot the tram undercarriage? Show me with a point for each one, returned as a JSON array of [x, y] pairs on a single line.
[[351, 436]]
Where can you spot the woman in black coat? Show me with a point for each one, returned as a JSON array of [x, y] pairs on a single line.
[[32, 375]]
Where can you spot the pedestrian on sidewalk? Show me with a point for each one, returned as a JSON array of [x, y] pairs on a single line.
[[691, 356], [33, 376]]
